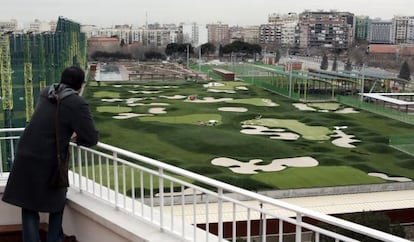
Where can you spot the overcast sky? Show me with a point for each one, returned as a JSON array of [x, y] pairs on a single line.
[[234, 12]]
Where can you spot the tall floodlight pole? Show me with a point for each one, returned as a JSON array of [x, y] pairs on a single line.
[[362, 82], [188, 55], [290, 79], [199, 58]]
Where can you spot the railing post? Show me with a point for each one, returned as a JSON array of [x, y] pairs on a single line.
[[220, 213], [161, 194], [116, 188], [298, 227], [79, 157]]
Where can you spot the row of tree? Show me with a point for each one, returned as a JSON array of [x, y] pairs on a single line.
[[405, 72], [237, 47]]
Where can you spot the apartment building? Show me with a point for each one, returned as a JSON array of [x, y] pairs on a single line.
[[410, 30], [333, 30], [400, 28], [251, 34], [381, 32], [194, 34], [361, 28], [280, 30], [11, 25], [218, 33]]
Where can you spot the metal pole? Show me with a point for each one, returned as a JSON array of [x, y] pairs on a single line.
[[290, 79], [362, 82], [188, 55]]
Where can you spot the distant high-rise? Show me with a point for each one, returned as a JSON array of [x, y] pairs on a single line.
[[194, 34], [400, 28], [361, 28], [218, 33], [11, 25], [381, 32], [333, 30], [410, 30]]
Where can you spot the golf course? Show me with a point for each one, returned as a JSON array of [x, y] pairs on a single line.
[[247, 136]]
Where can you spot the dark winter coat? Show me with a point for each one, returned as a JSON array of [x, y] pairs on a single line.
[[28, 185]]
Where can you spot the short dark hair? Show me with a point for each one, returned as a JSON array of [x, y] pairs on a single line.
[[73, 76]]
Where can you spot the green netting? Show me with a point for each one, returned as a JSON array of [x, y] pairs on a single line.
[[30, 62], [403, 143], [37, 61], [378, 109]]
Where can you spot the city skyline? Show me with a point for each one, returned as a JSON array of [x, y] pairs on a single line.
[[233, 12]]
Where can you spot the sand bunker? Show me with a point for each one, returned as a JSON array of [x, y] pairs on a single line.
[[214, 84], [158, 87], [223, 91], [174, 97], [386, 177], [145, 92], [343, 140], [157, 110], [148, 104], [273, 133], [233, 109], [130, 115], [209, 100], [243, 88], [111, 100], [305, 107], [252, 166]]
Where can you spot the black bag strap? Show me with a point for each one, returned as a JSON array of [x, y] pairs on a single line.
[[57, 123]]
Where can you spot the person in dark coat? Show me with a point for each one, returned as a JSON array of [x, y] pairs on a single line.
[[30, 181]]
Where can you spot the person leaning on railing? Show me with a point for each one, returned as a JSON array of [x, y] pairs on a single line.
[[38, 179]]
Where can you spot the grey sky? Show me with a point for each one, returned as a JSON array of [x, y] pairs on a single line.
[[233, 12]]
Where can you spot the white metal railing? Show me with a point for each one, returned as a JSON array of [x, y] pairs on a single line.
[[168, 197]]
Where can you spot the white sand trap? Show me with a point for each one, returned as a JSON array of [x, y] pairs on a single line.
[[160, 87], [214, 84], [209, 100], [347, 110], [134, 99], [112, 100], [147, 104], [273, 133], [174, 97], [117, 85], [285, 136], [388, 178], [269, 103], [157, 110], [145, 92], [233, 109], [303, 107], [222, 91], [130, 115], [343, 140], [242, 88], [276, 165]]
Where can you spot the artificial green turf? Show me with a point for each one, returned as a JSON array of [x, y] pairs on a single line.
[[177, 139]]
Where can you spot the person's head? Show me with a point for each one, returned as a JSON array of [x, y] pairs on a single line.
[[73, 76]]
